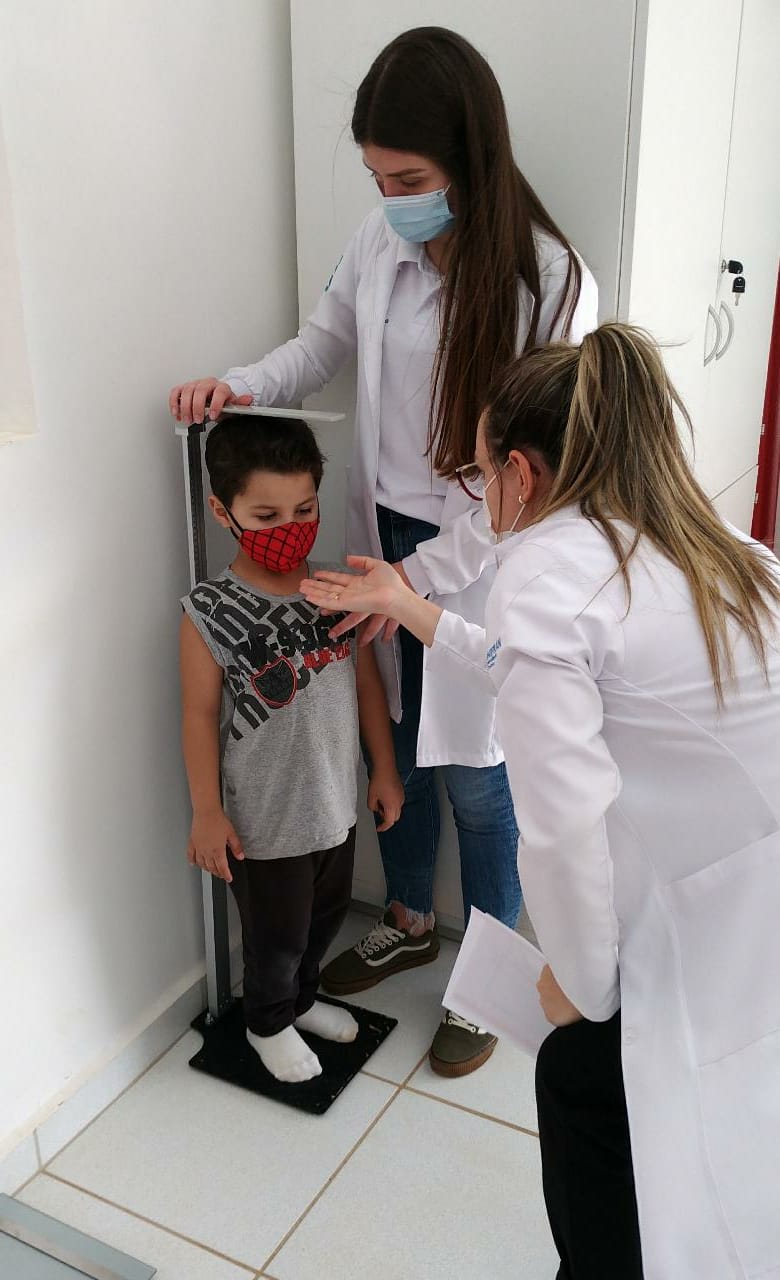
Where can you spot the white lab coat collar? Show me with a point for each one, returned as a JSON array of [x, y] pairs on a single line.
[[416, 253], [514, 542]]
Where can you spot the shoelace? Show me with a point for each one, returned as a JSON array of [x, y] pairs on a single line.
[[380, 938], [455, 1020]]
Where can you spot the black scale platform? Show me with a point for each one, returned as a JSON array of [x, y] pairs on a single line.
[[227, 1055]]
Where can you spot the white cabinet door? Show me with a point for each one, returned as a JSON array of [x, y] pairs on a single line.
[[735, 504], [687, 99], [730, 429]]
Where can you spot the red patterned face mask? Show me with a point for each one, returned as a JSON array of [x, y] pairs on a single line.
[[281, 548]]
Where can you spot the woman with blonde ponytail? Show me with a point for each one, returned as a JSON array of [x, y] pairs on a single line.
[[633, 645]]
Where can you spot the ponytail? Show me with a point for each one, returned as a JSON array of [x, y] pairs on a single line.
[[603, 417]]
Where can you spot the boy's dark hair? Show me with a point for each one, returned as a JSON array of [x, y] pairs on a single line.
[[239, 445]]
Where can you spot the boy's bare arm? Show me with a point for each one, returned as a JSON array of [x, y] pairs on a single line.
[[201, 687], [385, 792]]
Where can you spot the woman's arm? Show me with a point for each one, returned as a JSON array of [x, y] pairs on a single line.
[[297, 368], [556, 301], [307, 363], [377, 588], [563, 779]]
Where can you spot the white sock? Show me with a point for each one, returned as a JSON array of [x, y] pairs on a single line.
[[286, 1055], [328, 1021], [416, 923]]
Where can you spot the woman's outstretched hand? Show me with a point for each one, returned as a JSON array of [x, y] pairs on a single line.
[[375, 589], [371, 624]]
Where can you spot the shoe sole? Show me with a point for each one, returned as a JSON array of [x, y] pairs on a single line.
[[364, 984], [456, 1069]]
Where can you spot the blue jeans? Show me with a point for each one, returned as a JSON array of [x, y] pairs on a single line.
[[480, 798]]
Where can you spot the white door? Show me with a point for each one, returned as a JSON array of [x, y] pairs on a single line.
[[689, 71], [730, 430]]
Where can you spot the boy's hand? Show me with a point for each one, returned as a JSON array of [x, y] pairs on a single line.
[[386, 797], [211, 833]]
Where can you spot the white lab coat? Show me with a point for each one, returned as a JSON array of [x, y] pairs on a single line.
[[650, 864], [350, 317]]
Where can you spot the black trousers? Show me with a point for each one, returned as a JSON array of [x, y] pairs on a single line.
[[587, 1171], [291, 910]]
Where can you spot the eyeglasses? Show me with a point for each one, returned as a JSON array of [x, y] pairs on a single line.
[[470, 474]]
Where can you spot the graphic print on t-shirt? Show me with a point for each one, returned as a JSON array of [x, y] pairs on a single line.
[[276, 683], [270, 649]]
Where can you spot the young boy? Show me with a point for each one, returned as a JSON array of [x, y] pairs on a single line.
[[271, 704]]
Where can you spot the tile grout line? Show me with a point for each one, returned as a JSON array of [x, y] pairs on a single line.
[[27, 1182], [332, 1178], [414, 1070], [372, 1076], [45, 1166], [482, 1115], [249, 1267]]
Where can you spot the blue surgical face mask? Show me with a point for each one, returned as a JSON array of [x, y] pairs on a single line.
[[419, 218]]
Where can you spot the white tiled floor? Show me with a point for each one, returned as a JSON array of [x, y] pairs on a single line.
[[407, 1175]]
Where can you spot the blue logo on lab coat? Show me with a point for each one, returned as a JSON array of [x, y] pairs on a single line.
[[492, 653]]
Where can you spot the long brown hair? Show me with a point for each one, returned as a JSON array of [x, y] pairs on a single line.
[[430, 92], [603, 418]]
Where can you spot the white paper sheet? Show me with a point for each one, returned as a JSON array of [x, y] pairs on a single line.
[[494, 983]]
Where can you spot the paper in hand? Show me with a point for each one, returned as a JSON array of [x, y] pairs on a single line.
[[493, 983]]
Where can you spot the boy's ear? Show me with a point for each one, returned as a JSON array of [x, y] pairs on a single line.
[[218, 511]]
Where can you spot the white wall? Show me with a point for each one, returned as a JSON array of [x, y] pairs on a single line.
[[17, 412], [149, 149]]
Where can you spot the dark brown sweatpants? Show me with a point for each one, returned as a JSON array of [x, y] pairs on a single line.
[[291, 910]]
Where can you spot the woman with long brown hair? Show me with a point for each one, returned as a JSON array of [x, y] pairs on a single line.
[[461, 268], [633, 648]]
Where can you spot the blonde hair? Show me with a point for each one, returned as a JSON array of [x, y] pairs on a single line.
[[602, 416]]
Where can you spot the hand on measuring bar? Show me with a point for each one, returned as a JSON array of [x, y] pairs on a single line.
[[187, 402]]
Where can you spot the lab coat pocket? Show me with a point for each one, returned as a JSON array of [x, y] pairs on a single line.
[[727, 918], [740, 1103]]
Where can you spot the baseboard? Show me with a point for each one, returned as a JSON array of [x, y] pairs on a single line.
[[69, 1116], [19, 1166]]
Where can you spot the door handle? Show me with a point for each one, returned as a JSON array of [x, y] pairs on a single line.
[[721, 351], [718, 335]]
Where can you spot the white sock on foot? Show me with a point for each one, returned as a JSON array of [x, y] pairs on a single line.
[[286, 1055], [328, 1021], [416, 923]]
